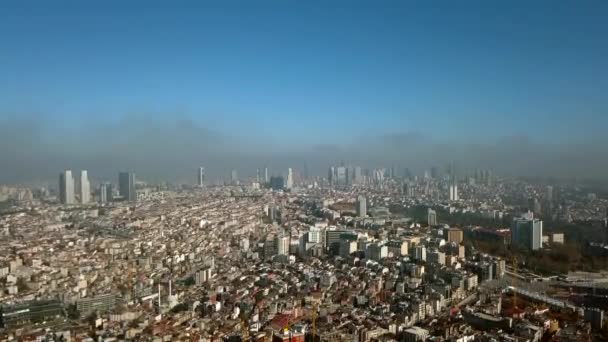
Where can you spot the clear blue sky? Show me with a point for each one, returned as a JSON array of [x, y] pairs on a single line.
[[298, 69]]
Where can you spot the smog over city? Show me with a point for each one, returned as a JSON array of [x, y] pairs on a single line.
[[303, 171]]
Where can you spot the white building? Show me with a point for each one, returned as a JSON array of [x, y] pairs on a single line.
[[66, 187], [85, 187], [361, 206]]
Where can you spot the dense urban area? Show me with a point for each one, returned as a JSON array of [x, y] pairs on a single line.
[[357, 255]]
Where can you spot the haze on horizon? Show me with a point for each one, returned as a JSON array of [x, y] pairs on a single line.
[[161, 89]]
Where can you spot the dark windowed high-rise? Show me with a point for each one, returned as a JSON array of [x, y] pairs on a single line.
[[126, 186]]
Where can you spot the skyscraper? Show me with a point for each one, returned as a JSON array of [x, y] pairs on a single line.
[[66, 187], [234, 177], [126, 186], [277, 183], [103, 193], [283, 242], [432, 217], [201, 177], [257, 175], [266, 179], [549, 193], [527, 232], [361, 206], [85, 187], [453, 192], [289, 183]]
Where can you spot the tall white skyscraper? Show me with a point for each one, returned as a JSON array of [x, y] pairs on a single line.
[[453, 192], [266, 179], [289, 183], [361, 206], [283, 243], [201, 177], [66, 187], [85, 187]]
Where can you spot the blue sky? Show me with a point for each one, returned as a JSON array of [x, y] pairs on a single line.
[[311, 70]]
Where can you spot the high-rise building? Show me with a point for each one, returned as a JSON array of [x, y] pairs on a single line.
[[453, 192], [66, 187], [361, 206], [266, 178], [257, 175], [277, 183], [200, 181], [409, 190], [85, 187], [289, 183], [432, 217], [549, 193], [527, 232], [455, 235], [283, 243], [234, 177], [126, 186], [103, 193]]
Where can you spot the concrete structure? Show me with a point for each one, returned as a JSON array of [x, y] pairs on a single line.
[[415, 334], [126, 186], [527, 232], [455, 235], [200, 180], [66, 187], [432, 217], [289, 182], [85, 187], [361, 206]]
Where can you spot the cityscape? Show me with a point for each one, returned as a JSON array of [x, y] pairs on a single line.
[[303, 172]]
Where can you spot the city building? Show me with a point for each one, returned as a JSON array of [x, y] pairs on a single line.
[[283, 243], [361, 206], [277, 183], [103, 193], [453, 192], [527, 232], [126, 186], [455, 235], [85, 187], [66, 187], [432, 217], [289, 183], [234, 177], [201, 177]]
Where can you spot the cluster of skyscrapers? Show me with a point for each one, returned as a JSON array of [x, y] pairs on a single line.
[[67, 189]]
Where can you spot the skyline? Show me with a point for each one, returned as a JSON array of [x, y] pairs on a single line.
[[517, 87]]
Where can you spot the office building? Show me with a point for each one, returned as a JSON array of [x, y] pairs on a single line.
[[289, 183], [455, 235], [361, 206], [201, 177], [103, 193], [266, 179], [126, 186], [453, 192], [549, 193], [234, 177], [432, 217], [527, 232], [85, 187], [66, 187], [376, 252], [277, 183], [283, 243]]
